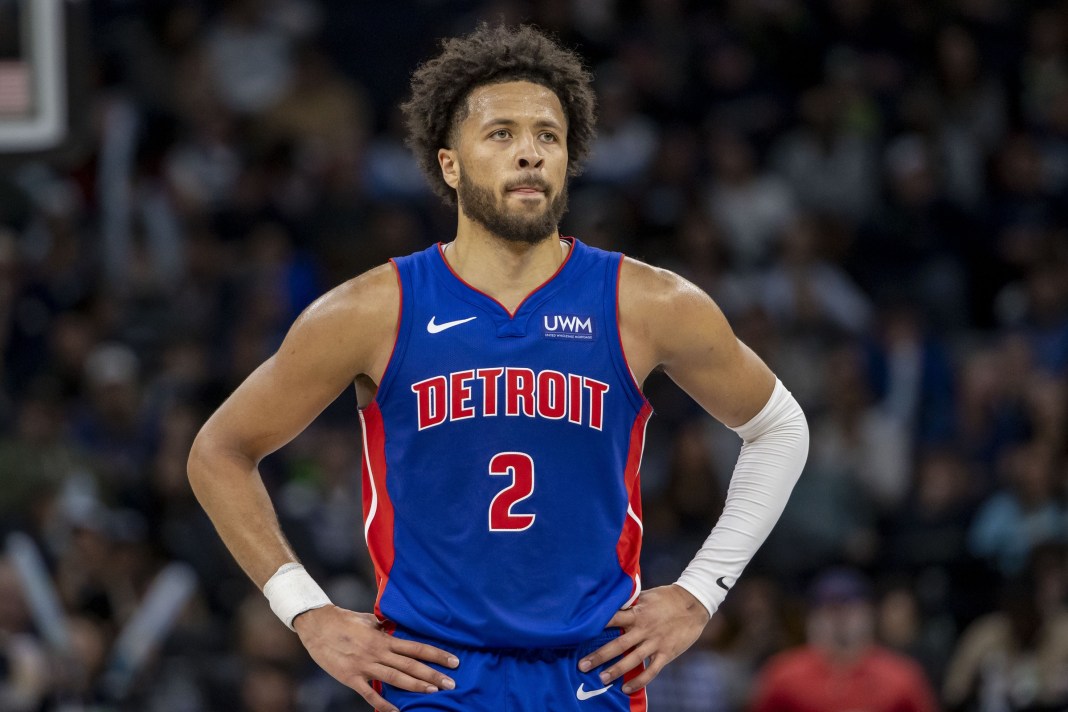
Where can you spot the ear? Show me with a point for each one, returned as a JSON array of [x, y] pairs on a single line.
[[450, 166]]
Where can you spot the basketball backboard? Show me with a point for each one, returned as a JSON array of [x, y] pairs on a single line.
[[33, 75]]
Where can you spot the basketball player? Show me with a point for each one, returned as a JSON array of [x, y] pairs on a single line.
[[499, 381]]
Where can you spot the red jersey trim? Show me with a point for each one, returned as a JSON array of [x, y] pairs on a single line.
[[629, 547], [377, 507], [511, 315]]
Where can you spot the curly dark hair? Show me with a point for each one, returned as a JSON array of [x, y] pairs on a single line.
[[493, 55]]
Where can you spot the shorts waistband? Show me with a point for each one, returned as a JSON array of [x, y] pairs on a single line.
[[518, 651]]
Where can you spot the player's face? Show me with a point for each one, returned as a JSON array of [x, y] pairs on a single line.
[[511, 161]]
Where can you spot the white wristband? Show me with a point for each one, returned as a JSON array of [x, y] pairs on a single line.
[[291, 591]]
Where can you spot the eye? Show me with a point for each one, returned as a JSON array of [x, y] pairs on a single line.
[[500, 134], [548, 137]]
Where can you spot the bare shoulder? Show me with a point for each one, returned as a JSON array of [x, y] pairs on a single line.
[[658, 312], [346, 333], [665, 321], [644, 287], [358, 319], [365, 298]]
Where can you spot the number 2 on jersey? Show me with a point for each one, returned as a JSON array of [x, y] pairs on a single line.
[[521, 468]]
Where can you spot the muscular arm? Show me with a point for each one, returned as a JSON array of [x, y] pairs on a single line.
[[345, 335], [667, 322]]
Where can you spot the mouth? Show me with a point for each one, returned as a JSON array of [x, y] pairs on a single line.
[[527, 189], [527, 193]]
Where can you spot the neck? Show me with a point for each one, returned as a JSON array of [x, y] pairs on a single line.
[[506, 270]]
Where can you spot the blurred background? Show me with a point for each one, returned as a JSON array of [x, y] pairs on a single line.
[[875, 193]]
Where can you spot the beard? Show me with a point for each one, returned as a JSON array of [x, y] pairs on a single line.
[[481, 205]]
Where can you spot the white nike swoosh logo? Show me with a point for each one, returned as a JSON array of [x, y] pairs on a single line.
[[584, 695], [436, 328]]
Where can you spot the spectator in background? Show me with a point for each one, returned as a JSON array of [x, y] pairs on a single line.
[[910, 374], [806, 293], [842, 668], [831, 168], [1022, 210], [903, 627], [859, 441], [202, 167], [762, 622], [668, 191], [111, 426], [705, 678], [991, 404], [1037, 304], [35, 458], [1026, 512], [971, 115], [752, 205], [250, 56], [322, 115], [44, 272], [626, 140], [912, 247], [390, 171], [1014, 659], [925, 542]]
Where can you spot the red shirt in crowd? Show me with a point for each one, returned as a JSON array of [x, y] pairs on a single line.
[[806, 680]]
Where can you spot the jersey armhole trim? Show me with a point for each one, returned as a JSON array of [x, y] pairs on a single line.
[[400, 339]]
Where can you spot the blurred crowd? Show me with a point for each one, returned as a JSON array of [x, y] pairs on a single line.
[[874, 192]]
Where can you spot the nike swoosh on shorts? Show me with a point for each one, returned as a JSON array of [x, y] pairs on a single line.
[[585, 695]]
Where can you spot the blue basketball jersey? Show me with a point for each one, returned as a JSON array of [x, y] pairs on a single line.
[[501, 488]]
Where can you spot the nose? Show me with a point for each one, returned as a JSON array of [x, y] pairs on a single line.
[[527, 154]]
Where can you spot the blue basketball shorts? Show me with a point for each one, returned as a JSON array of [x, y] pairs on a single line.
[[521, 680]]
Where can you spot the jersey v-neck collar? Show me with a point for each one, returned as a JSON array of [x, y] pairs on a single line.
[[477, 297]]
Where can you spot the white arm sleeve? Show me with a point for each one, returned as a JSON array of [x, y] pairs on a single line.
[[773, 452]]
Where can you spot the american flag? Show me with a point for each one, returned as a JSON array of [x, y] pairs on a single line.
[[15, 96]]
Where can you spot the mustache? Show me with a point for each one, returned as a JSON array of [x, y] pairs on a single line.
[[531, 181]]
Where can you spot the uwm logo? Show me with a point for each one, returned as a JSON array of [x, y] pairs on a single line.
[[568, 326]]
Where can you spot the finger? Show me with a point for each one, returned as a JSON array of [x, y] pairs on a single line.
[[630, 661], [417, 670], [646, 676], [400, 680], [422, 651], [377, 701], [623, 619], [608, 651]]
